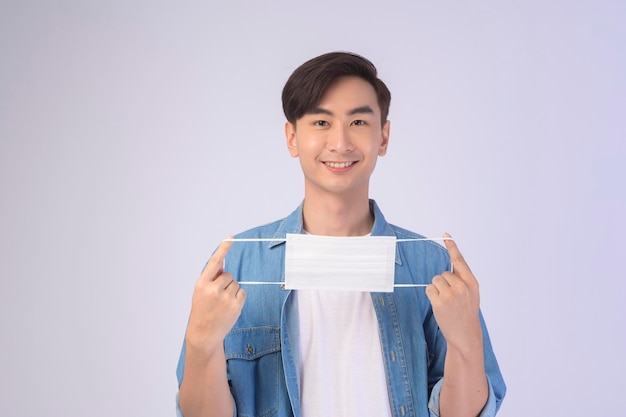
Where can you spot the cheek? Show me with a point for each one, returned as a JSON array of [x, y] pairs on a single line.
[[311, 144], [372, 147]]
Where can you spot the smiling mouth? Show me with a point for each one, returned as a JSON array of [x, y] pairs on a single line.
[[339, 164]]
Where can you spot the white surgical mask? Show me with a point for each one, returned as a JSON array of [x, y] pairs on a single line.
[[352, 263], [340, 263]]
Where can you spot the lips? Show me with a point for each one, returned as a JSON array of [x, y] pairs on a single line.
[[339, 164]]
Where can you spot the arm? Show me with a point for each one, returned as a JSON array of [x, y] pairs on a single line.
[[204, 390], [216, 304], [455, 300], [465, 390]]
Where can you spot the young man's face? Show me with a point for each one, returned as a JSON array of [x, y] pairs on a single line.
[[340, 140]]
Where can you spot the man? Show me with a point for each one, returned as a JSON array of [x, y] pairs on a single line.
[[266, 351]]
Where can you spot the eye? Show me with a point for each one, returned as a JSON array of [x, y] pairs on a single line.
[[320, 123], [359, 122]]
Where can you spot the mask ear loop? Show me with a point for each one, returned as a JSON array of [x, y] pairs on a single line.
[[256, 239]]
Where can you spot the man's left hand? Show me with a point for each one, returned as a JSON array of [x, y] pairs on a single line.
[[455, 300]]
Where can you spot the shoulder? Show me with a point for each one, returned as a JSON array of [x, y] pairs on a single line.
[[263, 231], [276, 229]]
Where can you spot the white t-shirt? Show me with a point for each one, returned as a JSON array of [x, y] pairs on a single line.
[[341, 370]]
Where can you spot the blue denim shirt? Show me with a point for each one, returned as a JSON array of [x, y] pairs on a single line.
[[262, 349]]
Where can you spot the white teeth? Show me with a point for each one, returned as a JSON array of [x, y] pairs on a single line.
[[339, 164]]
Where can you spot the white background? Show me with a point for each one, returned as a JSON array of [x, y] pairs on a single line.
[[134, 135]]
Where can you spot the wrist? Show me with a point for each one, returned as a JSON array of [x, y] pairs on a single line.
[[469, 345], [202, 352]]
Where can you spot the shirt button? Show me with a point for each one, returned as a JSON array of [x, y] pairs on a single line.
[[402, 410], [250, 349], [393, 356]]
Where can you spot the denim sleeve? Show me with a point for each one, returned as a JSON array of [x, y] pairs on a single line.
[[489, 410]]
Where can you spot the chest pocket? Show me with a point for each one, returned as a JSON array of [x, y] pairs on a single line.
[[253, 356]]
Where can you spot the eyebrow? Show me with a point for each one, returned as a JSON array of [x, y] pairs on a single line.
[[357, 110]]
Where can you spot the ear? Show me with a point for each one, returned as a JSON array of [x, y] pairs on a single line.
[[384, 139], [292, 143]]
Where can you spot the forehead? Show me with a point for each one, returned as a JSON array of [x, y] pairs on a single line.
[[349, 93]]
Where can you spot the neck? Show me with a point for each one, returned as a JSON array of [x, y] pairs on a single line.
[[337, 216]]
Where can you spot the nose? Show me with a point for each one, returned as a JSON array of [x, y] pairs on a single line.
[[339, 140]]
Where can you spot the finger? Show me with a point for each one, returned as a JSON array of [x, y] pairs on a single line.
[[458, 262], [232, 287], [438, 287], [216, 263], [235, 291], [440, 282], [224, 280], [453, 280], [241, 295], [431, 292]]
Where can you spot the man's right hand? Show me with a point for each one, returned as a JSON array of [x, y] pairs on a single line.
[[215, 305]]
